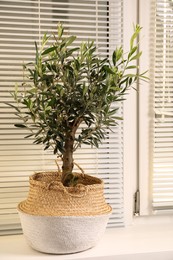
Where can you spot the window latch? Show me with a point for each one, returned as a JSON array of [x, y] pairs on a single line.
[[137, 203]]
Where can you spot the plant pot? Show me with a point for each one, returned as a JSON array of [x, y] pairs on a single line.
[[64, 234], [60, 220]]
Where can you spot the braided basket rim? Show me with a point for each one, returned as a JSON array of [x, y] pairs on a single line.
[[33, 180]]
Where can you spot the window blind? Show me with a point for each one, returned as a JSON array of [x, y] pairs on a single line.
[[21, 23], [163, 105]]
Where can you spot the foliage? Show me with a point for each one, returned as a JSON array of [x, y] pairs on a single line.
[[74, 87]]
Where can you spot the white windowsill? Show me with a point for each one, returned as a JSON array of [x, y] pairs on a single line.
[[153, 241]]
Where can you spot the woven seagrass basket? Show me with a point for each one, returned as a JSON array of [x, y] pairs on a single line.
[[48, 197], [53, 216]]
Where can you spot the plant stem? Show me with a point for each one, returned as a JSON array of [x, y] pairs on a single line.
[[67, 156]]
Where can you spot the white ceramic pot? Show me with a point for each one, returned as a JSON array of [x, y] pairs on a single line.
[[63, 234]]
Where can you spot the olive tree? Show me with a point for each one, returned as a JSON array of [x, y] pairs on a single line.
[[67, 99]]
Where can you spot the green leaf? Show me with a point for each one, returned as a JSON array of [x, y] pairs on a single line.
[[48, 50], [137, 56], [129, 75], [117, 55], [134, 49], [85, 89], [38, 141], [60, 30], [16, 108], [20, 125], [37, 55], [70, 40], [30, 135], [38, 132], [135, 35], [47, 147], [69, 52], [31, 73], [112, 112], [114, 57], [118, 117], [131, 67], [45, 39], [130, 81], [108, 69], [142, 75]]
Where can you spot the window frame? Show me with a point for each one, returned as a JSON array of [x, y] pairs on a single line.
[[130, 129], [144, 119]]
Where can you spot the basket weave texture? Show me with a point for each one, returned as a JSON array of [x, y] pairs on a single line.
[[48, 197]]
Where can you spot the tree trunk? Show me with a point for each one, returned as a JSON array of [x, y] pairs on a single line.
[[67, 159], [68, 179]]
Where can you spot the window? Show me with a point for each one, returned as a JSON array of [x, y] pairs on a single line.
[[163, 109], [21, 23], [155, 116]]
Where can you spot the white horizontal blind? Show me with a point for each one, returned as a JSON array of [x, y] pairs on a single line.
[[163, 106], [21, 23]]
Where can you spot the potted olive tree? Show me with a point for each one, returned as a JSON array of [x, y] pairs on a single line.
[[66, 102]]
